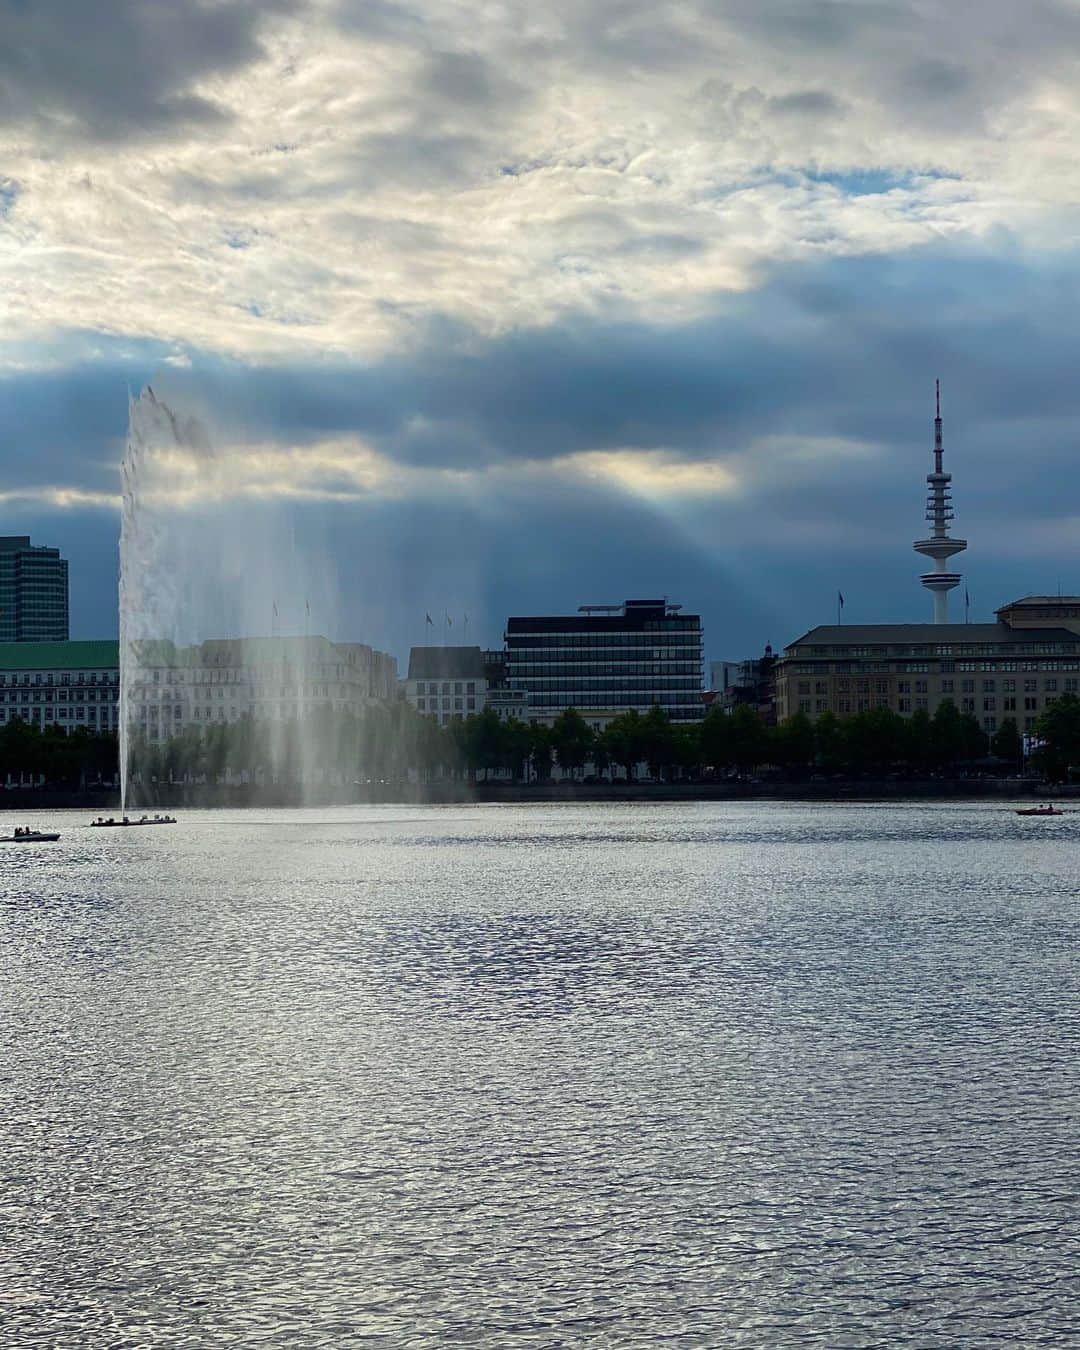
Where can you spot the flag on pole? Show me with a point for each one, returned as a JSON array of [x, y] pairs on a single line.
[[429, 618], [839, 600], [449, 621]]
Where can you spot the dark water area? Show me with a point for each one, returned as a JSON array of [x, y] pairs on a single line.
[[688, 1074]]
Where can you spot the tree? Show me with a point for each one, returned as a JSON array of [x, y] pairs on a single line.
[[657, 741], [749, 738], [572, 739], [829, 747], [715, 739], [1006, 742], [517, 742], [541, 750], [794, 743], [1059, 730], [624, 740]]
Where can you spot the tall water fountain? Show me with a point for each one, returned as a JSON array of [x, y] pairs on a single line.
[[221, 614]]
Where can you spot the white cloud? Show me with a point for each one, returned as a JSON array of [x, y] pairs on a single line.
[[346, 171]]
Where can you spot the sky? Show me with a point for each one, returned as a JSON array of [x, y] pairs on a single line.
[[508, 308]]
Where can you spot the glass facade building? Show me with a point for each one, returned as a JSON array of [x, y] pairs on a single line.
[[607, 659], [33, 592]]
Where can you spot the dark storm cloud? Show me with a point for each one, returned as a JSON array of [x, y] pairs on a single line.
[[845, 353], [848, 348], [116, 69]]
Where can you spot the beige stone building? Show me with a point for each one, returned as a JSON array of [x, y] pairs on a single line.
[[1010, 669]]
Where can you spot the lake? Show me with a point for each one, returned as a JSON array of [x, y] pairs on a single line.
[[703, 1075]]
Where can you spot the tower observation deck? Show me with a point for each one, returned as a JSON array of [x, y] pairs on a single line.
[[940, 546]]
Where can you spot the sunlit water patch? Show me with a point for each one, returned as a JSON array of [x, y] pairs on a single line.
[[682, 1075]]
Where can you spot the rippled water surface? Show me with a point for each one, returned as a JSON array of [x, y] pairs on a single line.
[[682, 1075]]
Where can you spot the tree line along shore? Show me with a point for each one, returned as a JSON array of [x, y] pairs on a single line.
[[394, 743]]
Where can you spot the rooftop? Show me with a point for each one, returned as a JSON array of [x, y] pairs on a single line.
[[1052, 600], [100, 654], [928, 634]]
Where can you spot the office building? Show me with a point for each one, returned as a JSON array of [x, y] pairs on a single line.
[[1014, 668], [270, 679], [33, 592], [67, 684], [448, 682], [607, 659]]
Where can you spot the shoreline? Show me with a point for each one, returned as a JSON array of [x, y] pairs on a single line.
[[177, 796]]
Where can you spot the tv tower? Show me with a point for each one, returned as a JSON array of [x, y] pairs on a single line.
[[939, 513]]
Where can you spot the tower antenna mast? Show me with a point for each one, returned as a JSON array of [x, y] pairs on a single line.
[[940, 546]]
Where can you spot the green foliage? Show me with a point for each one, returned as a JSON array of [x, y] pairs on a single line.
[[1006, 742], [392, 742], [1059, 730], [572, 740]]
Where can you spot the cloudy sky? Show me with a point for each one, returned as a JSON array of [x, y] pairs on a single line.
[[511, 307]]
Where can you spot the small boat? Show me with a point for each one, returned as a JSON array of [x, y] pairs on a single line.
[[126, 822], [29, 837], [1039, 811]]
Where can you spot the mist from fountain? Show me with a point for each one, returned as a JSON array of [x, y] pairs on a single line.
[[217, 603]]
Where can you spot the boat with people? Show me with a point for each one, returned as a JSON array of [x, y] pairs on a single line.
[[24, 835], [1046, 810], [110, 822]]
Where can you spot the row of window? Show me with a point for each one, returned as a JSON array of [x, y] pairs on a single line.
[[923, 667], [65, 677], [631, 665], [524, 641], [46, 696], [426, 705], [1068, 685], [961, 649], [446, 686]]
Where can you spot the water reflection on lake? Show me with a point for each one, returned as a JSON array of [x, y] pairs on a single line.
[[746, 1074]]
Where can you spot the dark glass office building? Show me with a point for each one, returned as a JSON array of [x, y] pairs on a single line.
[[33, 592], [607, 659]]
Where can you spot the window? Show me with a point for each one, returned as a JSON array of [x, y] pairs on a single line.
[[470, 687], [989, 704], [821, 687], [967, 686], [420, 705], [946, 686], [989, 723], [988, 686], [1031, 686], [804, 705], [1009, 704], [905, 705], [1031, 704], [968, 705], [904, 687], [804, 686], [920, 686], [1009, 686], [1050, 686]]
